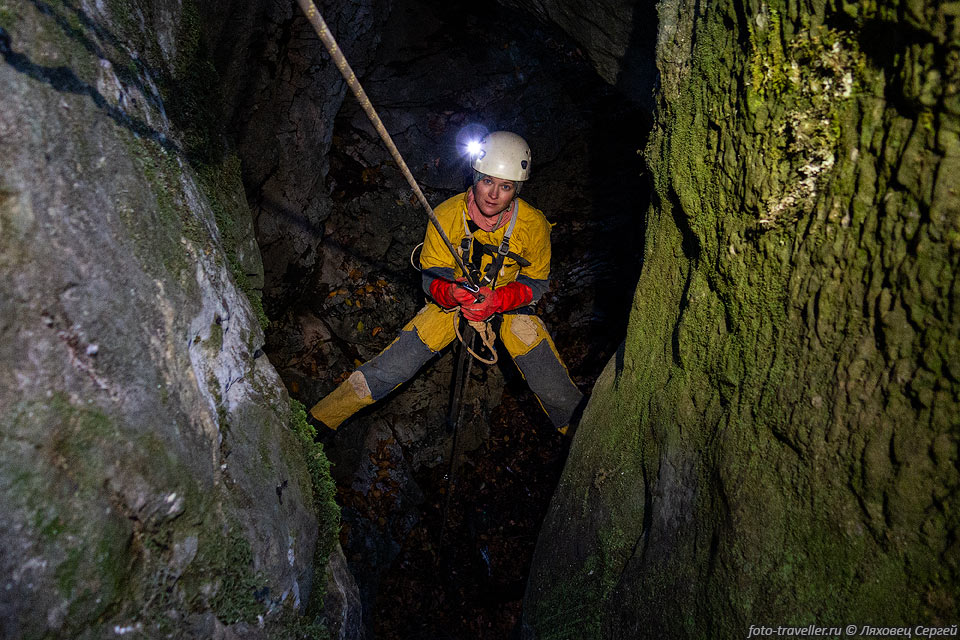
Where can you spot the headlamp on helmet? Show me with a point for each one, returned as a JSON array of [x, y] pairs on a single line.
[[503, 155]]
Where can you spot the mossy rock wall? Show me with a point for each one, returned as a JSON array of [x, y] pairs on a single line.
[[777, 442], [155, 480]]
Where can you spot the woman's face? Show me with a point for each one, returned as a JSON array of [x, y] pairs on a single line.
[[493, 195]]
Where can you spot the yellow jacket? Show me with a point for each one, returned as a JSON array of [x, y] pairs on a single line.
[[530, 240]]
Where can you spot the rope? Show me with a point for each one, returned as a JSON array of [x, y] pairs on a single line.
[[461, 378], [481, 328], [412, 253], [320, 26], [487, 337]]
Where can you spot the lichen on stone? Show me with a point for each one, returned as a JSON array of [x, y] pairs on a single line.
[[803, 87]]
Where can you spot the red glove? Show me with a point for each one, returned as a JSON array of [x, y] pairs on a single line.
[[505, 298], [450, 294]]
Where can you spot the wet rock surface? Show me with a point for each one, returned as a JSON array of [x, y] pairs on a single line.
[[144, 440], [342, 609]]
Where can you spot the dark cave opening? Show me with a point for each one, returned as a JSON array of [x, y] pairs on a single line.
[[441, 68]]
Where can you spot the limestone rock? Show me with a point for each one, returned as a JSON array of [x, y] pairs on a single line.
[[342, 608], [280, 95], [149, 478], [776, 441]]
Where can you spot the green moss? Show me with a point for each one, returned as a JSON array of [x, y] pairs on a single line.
[[571, 596], [767, 357], [220, 578], [221, 182], [235, 599], [324, 494], [7, 17], [127, 27], [768, 74], [157, 242], [215, 341], [291, 626], [254, 295], [58, 490], [66, 572], [571, 609]]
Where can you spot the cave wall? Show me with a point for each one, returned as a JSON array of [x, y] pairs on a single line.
[[616, 35], [279, 94], [776, 443], [155, 477]]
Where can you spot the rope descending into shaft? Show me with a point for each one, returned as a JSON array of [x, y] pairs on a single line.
[[320, 26], [455, 416]]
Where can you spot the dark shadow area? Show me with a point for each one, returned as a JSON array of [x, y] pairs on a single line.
[[887, 44], [639, 78]]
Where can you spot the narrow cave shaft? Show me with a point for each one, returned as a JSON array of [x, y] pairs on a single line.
[[443, 75], [753, 279]]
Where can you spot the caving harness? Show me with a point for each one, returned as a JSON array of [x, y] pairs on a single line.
[[472, 252]]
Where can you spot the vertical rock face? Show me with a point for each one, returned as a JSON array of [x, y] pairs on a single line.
[[149, 477], [616, 35], [777, 441], [281, 92]]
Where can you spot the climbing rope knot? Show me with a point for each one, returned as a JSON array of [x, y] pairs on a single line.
[[487, 336]]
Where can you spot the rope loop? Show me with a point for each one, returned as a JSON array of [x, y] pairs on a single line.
[[487, 336], [415, 263]]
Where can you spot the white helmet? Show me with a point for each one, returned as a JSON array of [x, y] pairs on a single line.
[[503, 155]]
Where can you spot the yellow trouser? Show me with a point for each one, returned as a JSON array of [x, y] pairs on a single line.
[[524, 336]]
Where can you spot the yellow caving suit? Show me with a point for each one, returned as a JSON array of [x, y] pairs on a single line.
[[523, 334]]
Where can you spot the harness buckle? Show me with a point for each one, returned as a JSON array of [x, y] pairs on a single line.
[[504, 247]]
